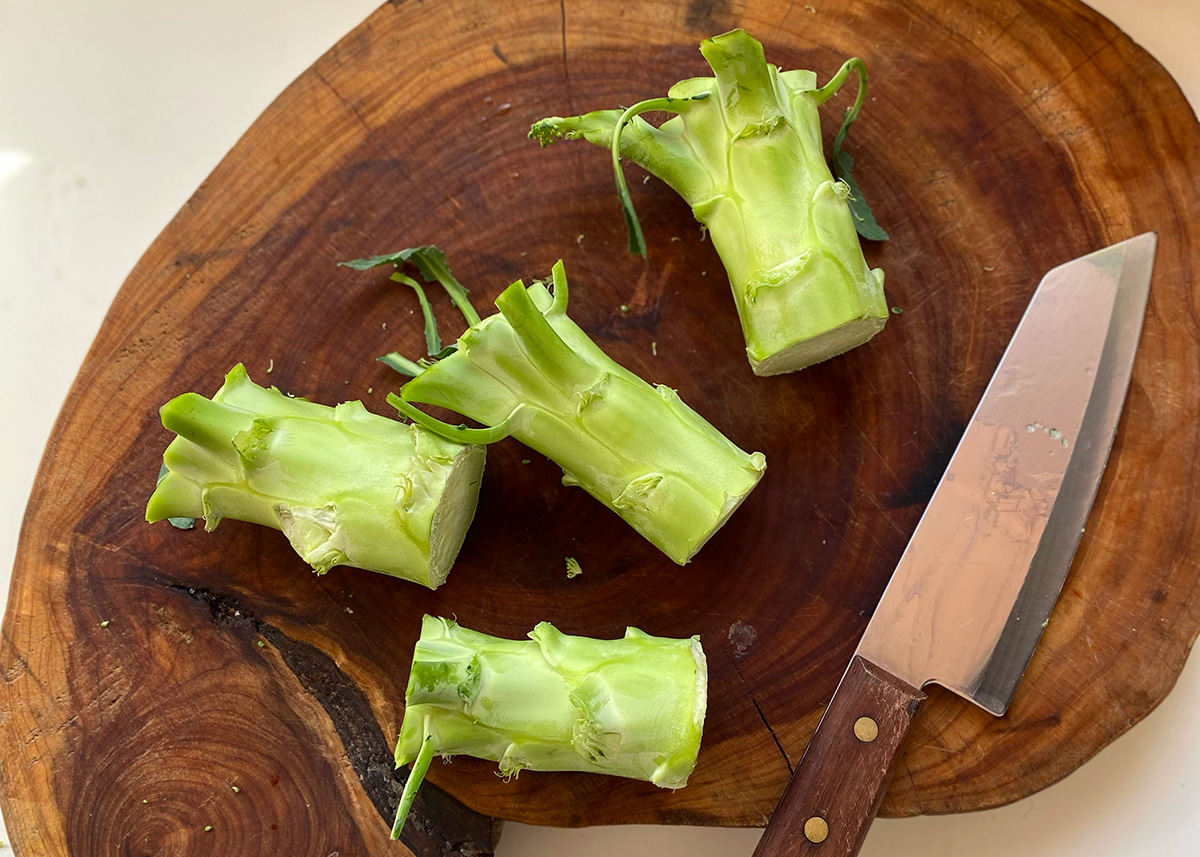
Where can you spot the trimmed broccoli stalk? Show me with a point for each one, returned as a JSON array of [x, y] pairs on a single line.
[[347, 487], [632, 707], [745, 151], [531, 373]]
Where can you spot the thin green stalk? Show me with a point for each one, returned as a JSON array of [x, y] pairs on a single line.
[[457, 433], [433, 342], [431, 262], [415, 777], [826, 92], [637, 243], [401, 364]]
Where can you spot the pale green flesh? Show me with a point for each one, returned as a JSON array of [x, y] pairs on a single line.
[[749, 160], [345, 486], [632, 707], [639, 449]]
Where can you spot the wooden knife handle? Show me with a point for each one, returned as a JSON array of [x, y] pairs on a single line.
[[839, 784]]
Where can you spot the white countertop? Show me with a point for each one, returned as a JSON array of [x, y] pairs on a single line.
[[112, 113]]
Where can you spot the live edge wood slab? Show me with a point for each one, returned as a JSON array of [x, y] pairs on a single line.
[[146, 671]]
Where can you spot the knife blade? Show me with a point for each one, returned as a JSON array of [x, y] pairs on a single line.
[[975, 586]]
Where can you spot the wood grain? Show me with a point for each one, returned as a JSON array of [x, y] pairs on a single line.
[[1000, 138]]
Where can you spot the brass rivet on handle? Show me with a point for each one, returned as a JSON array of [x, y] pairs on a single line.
[[816, 830], [866, 729]]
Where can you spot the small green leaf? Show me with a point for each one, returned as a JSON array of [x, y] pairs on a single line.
[[574, 569], [376, 261], [864, 219], [431, 262]]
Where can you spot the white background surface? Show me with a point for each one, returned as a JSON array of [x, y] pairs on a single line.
[[112, 113]]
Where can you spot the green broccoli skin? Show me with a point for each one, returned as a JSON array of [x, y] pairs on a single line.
[[632, 707], [744, 150], [347, 487], [532, 373]]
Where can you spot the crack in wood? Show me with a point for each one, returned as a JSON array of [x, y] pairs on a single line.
[[761, 716], [439, 825]]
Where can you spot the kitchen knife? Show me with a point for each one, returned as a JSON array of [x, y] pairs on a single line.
[[973, 590]]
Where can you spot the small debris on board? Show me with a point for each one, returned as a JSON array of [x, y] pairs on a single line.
[[574, 569]]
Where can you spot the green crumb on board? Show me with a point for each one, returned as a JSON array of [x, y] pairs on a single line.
[[261, 644], [654, 348], [1044, 624], [207, 828], [525, 461], [236, 790], [574, 569], [896, 310], [624, 307], [104, 624]]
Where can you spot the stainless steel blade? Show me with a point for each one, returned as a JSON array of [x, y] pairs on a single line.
[[971, 594]]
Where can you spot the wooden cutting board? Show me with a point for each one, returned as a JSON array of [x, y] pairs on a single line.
[[148, 670]]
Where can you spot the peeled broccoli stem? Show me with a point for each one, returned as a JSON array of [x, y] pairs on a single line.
[[345, 486], [531, 373], [632, 707], [745, 151]]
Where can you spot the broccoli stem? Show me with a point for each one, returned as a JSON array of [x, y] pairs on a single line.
[[532, 373], [749, 161], [345, 486], [632, 707]]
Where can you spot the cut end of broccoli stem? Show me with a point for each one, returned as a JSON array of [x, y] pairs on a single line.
[[455, 512], [759, 462], [819, 348]]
